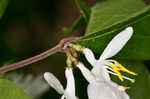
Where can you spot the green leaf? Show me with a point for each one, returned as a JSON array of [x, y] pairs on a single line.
[[84, 10], [82, 20], [112, 12], [3, 5], [110, 17], [78, 24], [141, 88], [8, 90]]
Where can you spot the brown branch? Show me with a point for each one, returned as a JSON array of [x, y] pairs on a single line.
[[39, 57]]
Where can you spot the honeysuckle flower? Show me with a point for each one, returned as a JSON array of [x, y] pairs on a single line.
[[69, 92], [100, 85], [98, 89]]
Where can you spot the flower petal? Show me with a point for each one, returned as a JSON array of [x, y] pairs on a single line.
[[70, 81], [89, 56], [100, 72], [62, 97], [104, 90], [100, 90], [70, 88], [86, 73], [54, 82], [117, 43]]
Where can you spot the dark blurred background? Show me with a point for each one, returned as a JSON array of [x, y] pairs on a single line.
[[30, 27]]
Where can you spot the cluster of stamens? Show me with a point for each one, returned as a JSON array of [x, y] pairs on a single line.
[[115, 68]]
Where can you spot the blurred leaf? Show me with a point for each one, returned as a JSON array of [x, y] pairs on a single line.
[[84, 10], [82, 20], [67, 31], [78, 24], [8, 90], [141, 88], [3, 5], [110, 17]]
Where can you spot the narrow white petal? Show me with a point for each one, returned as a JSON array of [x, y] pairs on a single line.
[[117, 43], [89, 56], [53, 82], [70, 81], [70, 88], [86, 73], [63, 97]]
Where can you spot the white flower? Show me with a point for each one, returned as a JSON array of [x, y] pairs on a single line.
[[102, 89], [100, 85], [69, 92]]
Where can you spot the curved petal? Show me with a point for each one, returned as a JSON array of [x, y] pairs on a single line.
[[117, 43], [89, 56], [86, 73], [62, 97], [70, 81], [70, 88], [53, 82]]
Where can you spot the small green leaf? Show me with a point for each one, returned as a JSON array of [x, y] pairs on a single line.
[[67, 31], [82, 20], [78, 24], [3, 5], [110, 17], [8, 90], [84, 10]]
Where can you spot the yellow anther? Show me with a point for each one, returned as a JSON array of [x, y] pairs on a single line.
[[116, 69], [132, 80], [127, 87], [122, 68]]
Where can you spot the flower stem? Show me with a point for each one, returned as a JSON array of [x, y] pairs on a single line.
[[39, 57]]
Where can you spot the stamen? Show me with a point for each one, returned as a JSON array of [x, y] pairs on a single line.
[[127, 87], [127, 78], [122, 68], [116, 69], [109, 68]]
